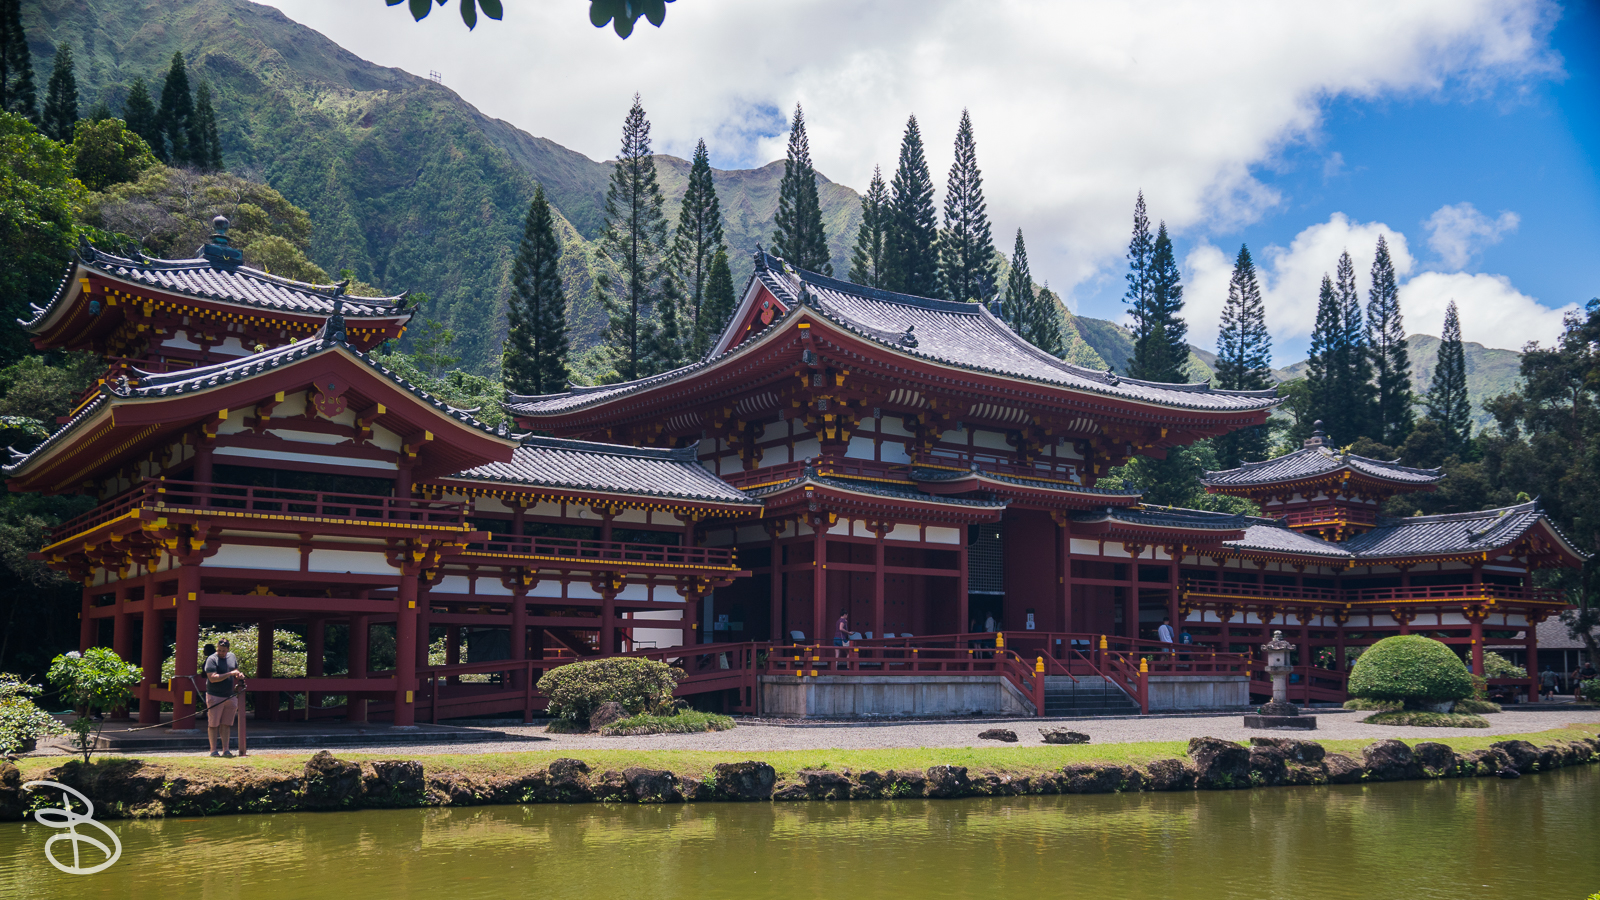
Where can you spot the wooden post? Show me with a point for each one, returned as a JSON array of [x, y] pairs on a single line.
[[266, 701], [86, 625], [1130, 601], [1477, 645], [187, 641], [405, 654], [819, 579], [608, 620], [879, 530], [1176, 595], [1531, 631], [963, 624], [519, 634], [316, 646], [780, 630], [356, 664], [122, 636], [1064, 596], [150, 653]]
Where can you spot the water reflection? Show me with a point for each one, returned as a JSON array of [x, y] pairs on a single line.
[[1483, 838]]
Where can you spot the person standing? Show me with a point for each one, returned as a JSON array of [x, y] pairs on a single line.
[[1164, 634], [1547, 682], [841, 629], [222, 676]]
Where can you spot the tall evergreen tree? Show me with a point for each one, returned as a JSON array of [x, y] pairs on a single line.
[[1386, 344], [1044, 323], [1140, 247], [177, 109], [717, 307], [205, 146], [1244, 357], [535, 360], [1161, 345], [60, 98], [1322, 364], [799, 237], [17, 91], [668, 344], [697, 240], [633, 240], [867, 262], [139, 111], [1357, 393], [1446, 401], [1030, 313], [912, 253], [966, 246]]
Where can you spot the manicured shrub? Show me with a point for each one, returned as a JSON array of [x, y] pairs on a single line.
[[1475, 706], [642, 686], [21, 720], [1412, 669], [1358, 703], [1425, 719], [1497, 666], [685, 721]]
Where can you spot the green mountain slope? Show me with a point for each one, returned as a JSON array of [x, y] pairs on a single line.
[[410, 186], [1490, 372]]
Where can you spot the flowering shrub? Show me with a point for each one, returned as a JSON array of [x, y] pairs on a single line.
[[97, 681], [21, 720]]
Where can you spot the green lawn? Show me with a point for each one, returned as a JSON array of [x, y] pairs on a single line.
[[1015, 760]]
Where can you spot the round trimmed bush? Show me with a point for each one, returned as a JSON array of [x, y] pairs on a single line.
[[1411, 669], [577, 689]]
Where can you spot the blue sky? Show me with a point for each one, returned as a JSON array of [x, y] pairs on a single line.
[[1462, 130]]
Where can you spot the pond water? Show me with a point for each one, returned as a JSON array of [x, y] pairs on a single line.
[[1533, 839]]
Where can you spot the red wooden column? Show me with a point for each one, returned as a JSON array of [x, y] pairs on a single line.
[[356, 665], [316, 645], [819, 581], [266, 701], [519, 632], [962, 622], [691, 606], [608, 620], [1477, 642], [188, 647], [1130, 599], [405, 655], [150, 654], [879, 529], [1532, 657], [86, 625], [1064, 576], [1174, 596], [780, 631], [122, 635]]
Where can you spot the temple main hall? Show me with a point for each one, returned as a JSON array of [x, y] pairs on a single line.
[[852, 487]]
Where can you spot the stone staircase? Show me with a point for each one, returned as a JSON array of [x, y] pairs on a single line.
[[1090, 695]]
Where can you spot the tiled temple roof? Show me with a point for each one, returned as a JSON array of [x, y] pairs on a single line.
[[151, 385], [584, 465], [964, 335], [1309, 462], [920, 473], [876, 489], [1167, 517], [241, 284], [1469, 532]]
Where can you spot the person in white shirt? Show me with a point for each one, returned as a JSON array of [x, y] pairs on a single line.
[[1165, 633]]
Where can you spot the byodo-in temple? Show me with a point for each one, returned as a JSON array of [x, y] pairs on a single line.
[[858, 503]]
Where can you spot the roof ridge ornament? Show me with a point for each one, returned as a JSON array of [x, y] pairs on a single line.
[[1318, 438], [1111, 377], [218, 251], [909, 339], [333, 329]]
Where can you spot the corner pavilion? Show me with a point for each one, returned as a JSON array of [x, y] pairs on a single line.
[[909, 464]]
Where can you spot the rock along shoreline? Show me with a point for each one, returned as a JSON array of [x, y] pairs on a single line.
[[132, 788]]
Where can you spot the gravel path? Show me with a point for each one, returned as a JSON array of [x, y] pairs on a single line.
[[760, 737]]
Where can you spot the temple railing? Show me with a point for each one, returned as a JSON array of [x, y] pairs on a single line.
[[1331, 515], [851, 467], [239, 499], [619, 552], [1471, 592]]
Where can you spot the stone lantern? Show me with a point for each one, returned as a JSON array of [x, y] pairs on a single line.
[[1279, 713]]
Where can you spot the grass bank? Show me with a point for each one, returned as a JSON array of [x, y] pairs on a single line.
[[1005, 759]]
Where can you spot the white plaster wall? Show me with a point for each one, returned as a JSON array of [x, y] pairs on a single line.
[[938, 534], [353, 561], [244, 556]]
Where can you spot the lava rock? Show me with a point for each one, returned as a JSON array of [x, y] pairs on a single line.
[[565, 781], [607, 713], [905, 784], [998, 734], [1268, 766], [791, 791], [611, 787], [1491, 761], [454, 789], [12, 805], [825, 785], [1294, 750], [1524, 756], [1169, 775], [1342, 769], [948, 781], [331, 783], [1063, 736], [393, 782], [1219, 764], [1390, 760], [1437, 760], [1085, 779], [748, 780], [651, 785]]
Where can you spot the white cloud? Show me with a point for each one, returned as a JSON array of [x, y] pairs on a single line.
[[1076, 105], [1493, 312], [1458, 231]]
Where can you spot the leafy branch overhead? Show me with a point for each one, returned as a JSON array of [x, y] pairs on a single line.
[[621, 15]]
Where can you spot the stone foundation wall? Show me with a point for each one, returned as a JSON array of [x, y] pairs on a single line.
[[1177, 692], [130, 788], [897, 696]]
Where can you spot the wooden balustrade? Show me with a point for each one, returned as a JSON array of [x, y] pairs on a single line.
[[1368, 594], [1330, 515], [619, 552], [192, 496]]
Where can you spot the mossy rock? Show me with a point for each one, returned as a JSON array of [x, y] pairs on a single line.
[[1411, 669]]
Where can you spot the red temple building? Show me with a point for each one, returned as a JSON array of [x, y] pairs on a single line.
[[910, 465]]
